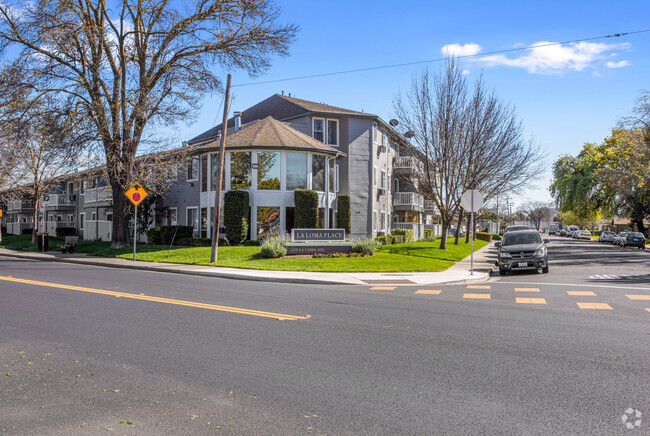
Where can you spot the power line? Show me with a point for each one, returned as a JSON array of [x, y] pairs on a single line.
[[382, 67]]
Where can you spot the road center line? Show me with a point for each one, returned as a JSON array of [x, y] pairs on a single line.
[[278, 316]]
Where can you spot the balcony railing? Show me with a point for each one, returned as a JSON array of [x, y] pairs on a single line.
[[95, 195], [58, 200], [17, 205], [410, 199]]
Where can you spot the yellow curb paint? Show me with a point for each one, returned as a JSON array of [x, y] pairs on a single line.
[[278, 316], [428, 291], [478, 286], [478, 296], [581, 293], [382, 288], [531, 300], [600, 306], [639, 297], [526, 289]]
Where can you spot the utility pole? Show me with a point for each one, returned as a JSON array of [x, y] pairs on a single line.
[[217, 199], [497, 213]]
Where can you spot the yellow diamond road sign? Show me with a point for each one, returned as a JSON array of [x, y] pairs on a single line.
[[136, 194]]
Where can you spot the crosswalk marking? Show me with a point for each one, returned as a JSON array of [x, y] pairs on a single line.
[[639, 297], [531, 300], [601, 306], [526, 289], [581, 293], [428, 291], [382, 288], [478, 296], [478, 286]]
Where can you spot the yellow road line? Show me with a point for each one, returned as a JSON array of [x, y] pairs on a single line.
[[278, 316], [382, 288], [428, 291], [478, 286], [531, 300], [639, 297], [478, 296], [526, 289], [648, 309], [602, 306], [581, 293]]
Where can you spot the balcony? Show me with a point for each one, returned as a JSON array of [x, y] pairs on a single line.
[[408, 201], [98, 195], [406, 165], [20, 206], [430, 208], [59, 201]]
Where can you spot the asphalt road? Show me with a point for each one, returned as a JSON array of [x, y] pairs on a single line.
[[88, 350]]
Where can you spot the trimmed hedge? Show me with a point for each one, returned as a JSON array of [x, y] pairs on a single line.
[[199, 242], [62, 232], [496, 237], [367, 247], [343, 213], [484, 236], [236, 208], [383, 240], [397, 239], [306, 209], [428, 234], [166, 235], [406, 233]]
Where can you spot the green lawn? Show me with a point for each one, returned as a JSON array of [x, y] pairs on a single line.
[[411, 257]]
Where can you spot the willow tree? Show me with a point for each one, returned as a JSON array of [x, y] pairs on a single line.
[[132, 64]]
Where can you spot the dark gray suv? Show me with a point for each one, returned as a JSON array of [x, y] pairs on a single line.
[[522, 250]]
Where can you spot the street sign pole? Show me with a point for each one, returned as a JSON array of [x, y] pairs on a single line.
[[135, 230], [471, 241]]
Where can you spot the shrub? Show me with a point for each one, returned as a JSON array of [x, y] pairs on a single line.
[[343, 213], [397, 239], [236, 208], [154, 236], [484, 236], [27, 231], [166, 235], [273, 247], [428, 234], [62, 232], [407, 233], [383, 240], [366, 246], [306, 209], [252, 243], [496, 237]]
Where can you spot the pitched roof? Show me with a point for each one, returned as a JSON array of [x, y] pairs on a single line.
[[270, 133], [280, 107]]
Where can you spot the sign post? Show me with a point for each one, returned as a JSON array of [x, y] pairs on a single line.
[[43, 226], [135, 194], [471, 200], [0, 230]]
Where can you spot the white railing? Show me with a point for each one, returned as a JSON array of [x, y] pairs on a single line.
[[411, 199], [96, 230], [404, 162], [17, 228], [51, 226], [95, 195], [418, 228], [20, 204], [55, 200]]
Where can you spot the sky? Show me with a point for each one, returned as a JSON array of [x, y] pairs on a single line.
[[565, 95]]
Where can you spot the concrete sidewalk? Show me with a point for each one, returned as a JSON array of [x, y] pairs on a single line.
[[458, 274]]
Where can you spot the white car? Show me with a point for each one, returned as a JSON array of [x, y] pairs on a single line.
[[607, 237], [584, 234]]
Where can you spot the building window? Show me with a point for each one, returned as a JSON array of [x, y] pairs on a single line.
[[173, 219], [332, 175], [376, 134], [70, 218], [388, 182], [240, 170], [192, 169], [93, 216], [296, 171], [383, 179], [82, 220], [318, 172], [374, 220], [204, 173], [192, 218], [268, 170], [268, 221], [204, 222], [109, 216], [171, 172], [317, 129], [333, 132], [214, 172], [374, 176], [383, 220]]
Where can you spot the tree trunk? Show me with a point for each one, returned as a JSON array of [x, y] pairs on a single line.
[[36, 223], [461, 211], [468, 233], [443, 238], [120, 236]]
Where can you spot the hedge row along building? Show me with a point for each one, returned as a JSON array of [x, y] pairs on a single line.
[[273, 148]]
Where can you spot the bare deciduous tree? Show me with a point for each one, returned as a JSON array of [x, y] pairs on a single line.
[[134, 63]]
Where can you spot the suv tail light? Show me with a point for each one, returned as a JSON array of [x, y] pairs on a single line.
[[628, 238]]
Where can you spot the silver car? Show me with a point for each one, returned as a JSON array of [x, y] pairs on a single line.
[[607, 237], [618, 238]]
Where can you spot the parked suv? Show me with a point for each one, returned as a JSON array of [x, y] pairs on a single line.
[[522, 250], [634, 239]]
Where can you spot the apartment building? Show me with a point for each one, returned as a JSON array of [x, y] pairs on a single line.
[[274, 147]]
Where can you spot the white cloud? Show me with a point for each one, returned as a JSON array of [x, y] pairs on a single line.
[[460, 50], [466, 72], [545, 58], [619, 64]]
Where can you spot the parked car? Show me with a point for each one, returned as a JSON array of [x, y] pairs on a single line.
[[522, 250], [575, 234], [584, 234], [570, 230], [617, 238], [633, 239], [562, 232], [515, 228], [607, 237], [452, 232]]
